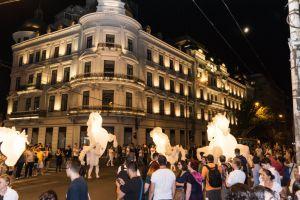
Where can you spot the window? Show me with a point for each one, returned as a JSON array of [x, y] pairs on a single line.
[[30, 79], [201, 94], [110, 40], [182, 138], [161, 83], [171, 64], [190, 91], [49, 135], [129, 71], [149, 79], [53, 77], [130, 44], [15, 106], [44, 55], [20, 61], [161, 107], [216, 98], [36, 103], [107, 99], [225, 102], [69, 49], [64, 102], [190, 111], [128, 100], [56, 52], [38, 79], [27, 104], [180, 68], [172, 86], [31, 58], [87, 67], [172, 137], [85, 98], [89, 42], [181, 110], [189, 72], [37, 56], [202, 114], [172, 109], [109, 68], [161, 60], [66, 74], [51, 103], [149, 55], [18, 83], [149, 105], [62, 132], [181, 89]]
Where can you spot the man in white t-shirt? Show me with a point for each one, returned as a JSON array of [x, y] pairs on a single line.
[[162, 182], [237, 175]]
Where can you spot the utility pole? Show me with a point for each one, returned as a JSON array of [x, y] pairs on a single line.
[[293, 20]]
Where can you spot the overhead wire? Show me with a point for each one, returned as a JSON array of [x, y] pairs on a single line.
[[223, 38], [244, 36]]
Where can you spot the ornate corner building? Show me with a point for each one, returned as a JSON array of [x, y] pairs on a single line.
[[106, 62]]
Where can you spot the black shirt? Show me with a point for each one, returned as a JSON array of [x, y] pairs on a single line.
[[78, 190], [133, 189]]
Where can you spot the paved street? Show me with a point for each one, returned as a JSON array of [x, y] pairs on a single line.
[[30, 189]]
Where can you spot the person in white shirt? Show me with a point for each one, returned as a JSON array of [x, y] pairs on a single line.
[[237, 175], [266, 164], [5, 190], [268, 180], [162, 182]]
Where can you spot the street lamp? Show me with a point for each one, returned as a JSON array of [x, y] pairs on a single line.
[[256, 104], [280, 116], [246, 30]]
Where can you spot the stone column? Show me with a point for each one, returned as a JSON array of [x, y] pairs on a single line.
[[29, 133], [42, 135], [70, 136], [55, 139], [141, 136]]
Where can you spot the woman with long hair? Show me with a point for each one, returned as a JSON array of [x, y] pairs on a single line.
[[194, 182], [153, 167], [181, 179], [5, 190]]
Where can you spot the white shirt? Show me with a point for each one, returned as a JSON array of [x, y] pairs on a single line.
[[275, 173], [236, 176], [10, 194], [163, 180], [275, 188]]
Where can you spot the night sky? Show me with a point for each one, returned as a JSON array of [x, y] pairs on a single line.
[[174, 18]]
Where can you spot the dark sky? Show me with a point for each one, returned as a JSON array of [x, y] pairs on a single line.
[[173, 18]]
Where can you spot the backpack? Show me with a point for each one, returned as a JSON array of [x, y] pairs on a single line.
[[214, 177]]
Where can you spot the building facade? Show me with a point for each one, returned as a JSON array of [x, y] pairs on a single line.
[[108, 63]]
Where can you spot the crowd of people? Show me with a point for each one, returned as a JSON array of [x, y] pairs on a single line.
[[269, 172]]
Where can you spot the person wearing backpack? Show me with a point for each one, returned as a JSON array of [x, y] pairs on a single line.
[[213, 179]]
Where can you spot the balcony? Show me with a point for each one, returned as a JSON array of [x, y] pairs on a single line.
[[165, 92], [30, 86], [107, 109], [169, 71], [28, 114], [109, 46], [108, 77]]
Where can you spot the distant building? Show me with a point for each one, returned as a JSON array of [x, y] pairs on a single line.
[[106, 62]]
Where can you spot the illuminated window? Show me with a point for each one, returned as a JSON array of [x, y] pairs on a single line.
[[130, 44], [149, 55], [56, 52], [66, 74], [69, 49], [51, 103], [149, 79], [89, 42], [64, 102], [53, 77], [85, 98], [27, 104], [149, 105]]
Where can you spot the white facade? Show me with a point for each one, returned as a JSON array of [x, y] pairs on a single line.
[[107, 63]]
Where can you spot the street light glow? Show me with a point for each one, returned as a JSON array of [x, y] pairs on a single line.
[[246, 30], [256, 104]]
